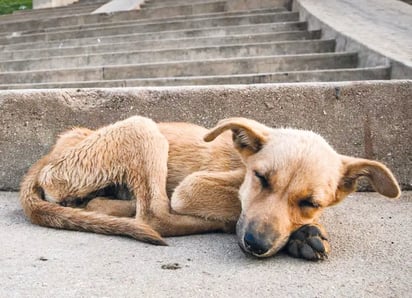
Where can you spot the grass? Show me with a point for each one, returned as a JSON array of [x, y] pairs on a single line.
[[8, 6]]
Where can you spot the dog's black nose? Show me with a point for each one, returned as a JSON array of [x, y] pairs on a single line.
[[255, 245]]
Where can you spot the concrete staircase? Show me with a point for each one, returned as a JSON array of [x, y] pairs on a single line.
[[169, 42]]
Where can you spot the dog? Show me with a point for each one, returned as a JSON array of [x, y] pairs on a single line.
[[151, 180]]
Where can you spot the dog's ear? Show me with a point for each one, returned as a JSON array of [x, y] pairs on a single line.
[[380, 177], [248, 135]]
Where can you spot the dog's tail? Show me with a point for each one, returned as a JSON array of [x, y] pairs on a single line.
[[48, 214]]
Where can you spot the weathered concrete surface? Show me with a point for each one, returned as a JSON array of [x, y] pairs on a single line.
[[371, 240], [133, 56], [221, 32], [378, 29], [207, 67], [324, 75], [51, 3], [128, 43], [368, 119], [119, 5], [76, 17], [155, 26]]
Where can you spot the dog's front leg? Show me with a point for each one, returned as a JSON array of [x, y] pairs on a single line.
[[309, 242], [210, 195]]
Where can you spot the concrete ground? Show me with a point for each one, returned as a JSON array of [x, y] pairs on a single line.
[[371, 239]]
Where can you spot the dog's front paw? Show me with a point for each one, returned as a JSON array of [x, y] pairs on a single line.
[[308, 242]]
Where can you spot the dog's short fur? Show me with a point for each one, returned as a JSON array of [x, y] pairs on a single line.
[[179, 179]]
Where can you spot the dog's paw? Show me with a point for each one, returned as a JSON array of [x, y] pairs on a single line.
[[308, 242]]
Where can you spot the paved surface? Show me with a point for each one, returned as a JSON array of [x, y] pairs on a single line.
[[384, 26], [370, 235]]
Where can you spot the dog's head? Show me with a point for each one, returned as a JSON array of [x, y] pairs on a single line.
[[291, 176]]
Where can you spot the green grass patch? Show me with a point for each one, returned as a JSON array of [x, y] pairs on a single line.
[[8, 6]]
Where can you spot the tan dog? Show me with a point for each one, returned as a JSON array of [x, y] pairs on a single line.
[[179, 179]]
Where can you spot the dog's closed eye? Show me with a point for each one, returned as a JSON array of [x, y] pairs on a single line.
[[308, 203], [262, 179]]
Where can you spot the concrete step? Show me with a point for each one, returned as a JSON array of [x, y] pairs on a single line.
[[87, 9], [270, 18], [57, 10], [328, 75], [89, 1], [73, 6], [109, 23], [48, 13], [244, 5], [162, 3], [190, 17], [186, 54], [128, 44], [231, 66], [189, 33], [81, 19]]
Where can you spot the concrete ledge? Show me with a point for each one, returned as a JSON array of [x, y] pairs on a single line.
[[379, 30], [364, 119]]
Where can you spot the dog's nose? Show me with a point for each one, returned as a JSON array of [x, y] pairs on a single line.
[[255, 245]]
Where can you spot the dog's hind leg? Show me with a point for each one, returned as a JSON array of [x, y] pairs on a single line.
[[132, 152], [146, 178], [110, 155], [112, 207]]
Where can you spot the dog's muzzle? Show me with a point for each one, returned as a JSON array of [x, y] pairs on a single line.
[[258, 239]]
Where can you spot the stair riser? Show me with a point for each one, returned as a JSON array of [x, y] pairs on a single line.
[[231, 3], [157, 27], [230, 67], [56, 10], [24, 24], [220, 31], [152, 4], [35, 13], [315, 76], [129, 45], [217, 67], [170, 55], [185, 18]]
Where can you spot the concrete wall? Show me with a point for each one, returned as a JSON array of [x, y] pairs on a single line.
[[369, 120]]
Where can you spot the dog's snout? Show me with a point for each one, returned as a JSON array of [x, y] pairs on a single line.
[[255, 244]]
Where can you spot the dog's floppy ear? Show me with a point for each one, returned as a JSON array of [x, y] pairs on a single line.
[[378, 174], [248, 135]]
